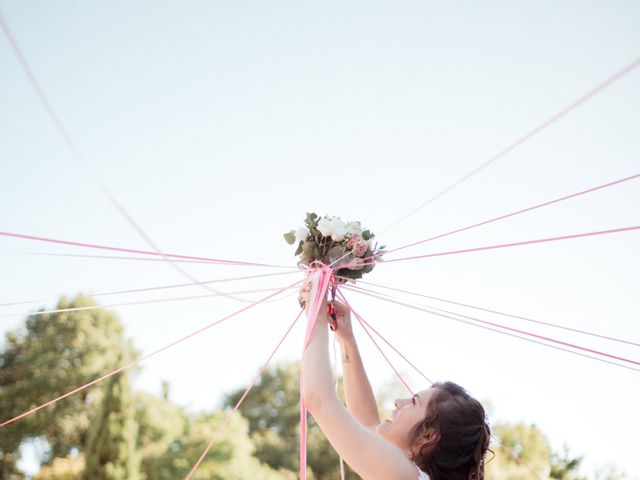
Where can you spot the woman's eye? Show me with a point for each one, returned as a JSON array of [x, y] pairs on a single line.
[[413, 400]]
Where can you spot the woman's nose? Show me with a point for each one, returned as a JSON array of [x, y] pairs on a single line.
[[399, 402]]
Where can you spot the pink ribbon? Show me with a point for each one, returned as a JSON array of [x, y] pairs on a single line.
[[323, 276]]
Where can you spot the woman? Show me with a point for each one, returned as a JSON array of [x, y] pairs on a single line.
[[439, 433]]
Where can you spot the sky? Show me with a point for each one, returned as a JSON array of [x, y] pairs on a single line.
[[217, 125]]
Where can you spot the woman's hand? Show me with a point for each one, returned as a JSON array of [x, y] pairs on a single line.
[[344, 332], [305, 291], [304, 299]]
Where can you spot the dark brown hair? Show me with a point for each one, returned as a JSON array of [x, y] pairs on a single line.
[[461, 432]]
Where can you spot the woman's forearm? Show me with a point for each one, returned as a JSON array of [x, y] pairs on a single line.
[[317, 378], [358, 393]]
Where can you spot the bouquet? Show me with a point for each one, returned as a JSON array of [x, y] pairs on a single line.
[[346, 247]]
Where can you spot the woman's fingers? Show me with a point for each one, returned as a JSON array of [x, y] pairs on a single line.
[[341, 309], [303, 299], [308, 289], [305, 291]]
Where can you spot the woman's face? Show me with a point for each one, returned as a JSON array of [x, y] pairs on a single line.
[[407, 414]]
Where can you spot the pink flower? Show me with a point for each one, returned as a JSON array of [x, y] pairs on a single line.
[[354, 240], [359, 249]]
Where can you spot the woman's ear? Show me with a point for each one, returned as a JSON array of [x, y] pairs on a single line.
[[426, 441]]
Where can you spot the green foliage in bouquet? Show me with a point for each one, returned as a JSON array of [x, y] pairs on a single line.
[[345, 246]]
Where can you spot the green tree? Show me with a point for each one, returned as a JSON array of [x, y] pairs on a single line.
[[162, 427], [230, 458], [170, 440], [609, 472], [111, 449], [524, 454], [564, 466], [67, 468], [50, 355], [272, 409]]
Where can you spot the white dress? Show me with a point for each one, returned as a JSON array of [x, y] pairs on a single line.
[[422, 475]]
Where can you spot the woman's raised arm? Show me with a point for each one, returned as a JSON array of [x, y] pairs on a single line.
[[358, 393], [370, 456]]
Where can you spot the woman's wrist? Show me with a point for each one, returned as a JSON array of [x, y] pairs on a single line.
[[348, 344], [345, 337]]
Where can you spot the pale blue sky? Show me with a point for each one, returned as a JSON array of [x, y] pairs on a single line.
[[218, 124]]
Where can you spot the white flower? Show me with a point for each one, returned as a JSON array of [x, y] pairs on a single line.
[[332, 227], [337, 236], [325, 226], [301, 234], [354, 227], [339, 230]]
